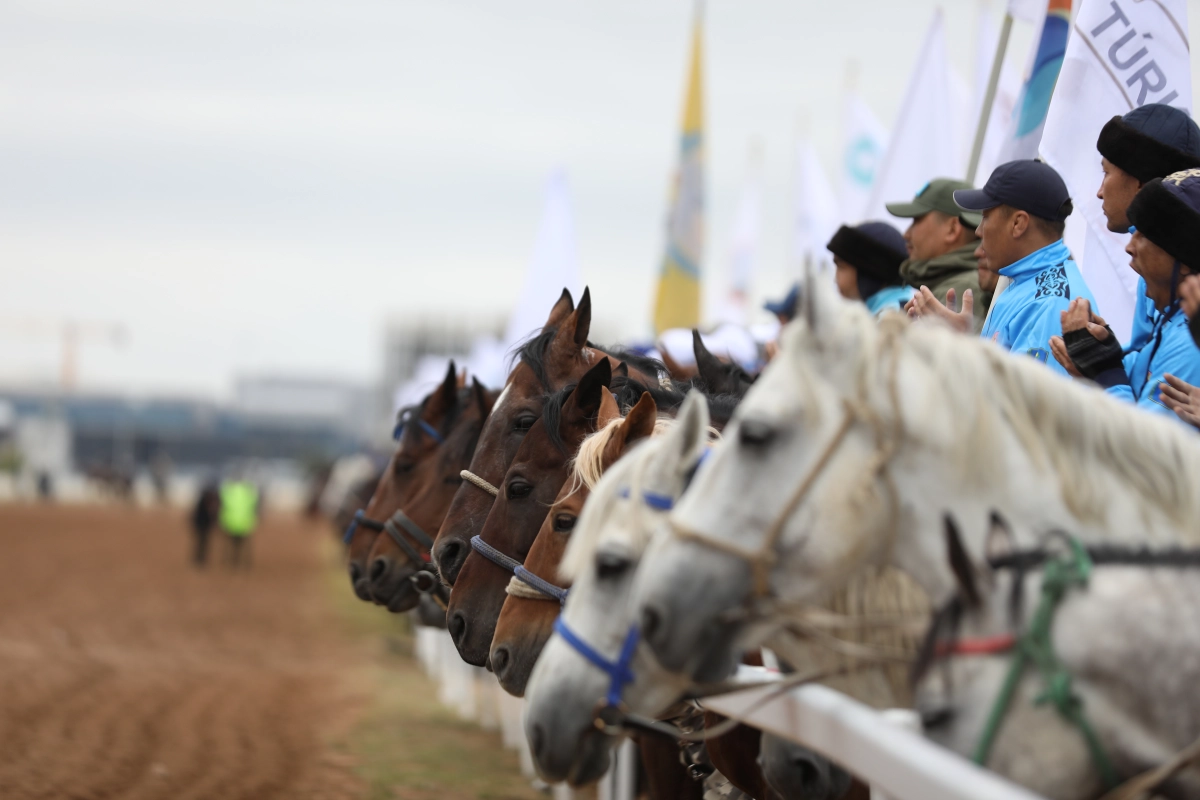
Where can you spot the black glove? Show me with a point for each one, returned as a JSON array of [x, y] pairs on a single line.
[[1092, 356]]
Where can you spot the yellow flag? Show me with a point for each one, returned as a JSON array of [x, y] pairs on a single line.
[[678, 302]]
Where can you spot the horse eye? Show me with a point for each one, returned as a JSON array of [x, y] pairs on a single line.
[[518, 489], [453, 480], [564, 522], [403, 467], [611, 565], [755, 433], [524, 422]]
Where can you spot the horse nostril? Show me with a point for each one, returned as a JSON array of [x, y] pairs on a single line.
[[457, 625], [810, 776], [449, 557], [355, 572], [378, 568], [537, 738], [500, 661], [651, 622]]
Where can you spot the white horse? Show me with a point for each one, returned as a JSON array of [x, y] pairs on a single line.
[[1108, 639], [856, 442], [606, 546]]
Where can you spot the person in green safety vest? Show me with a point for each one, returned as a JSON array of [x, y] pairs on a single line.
[[239, 516]]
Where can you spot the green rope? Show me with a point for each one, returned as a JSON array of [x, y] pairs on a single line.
[[1035, 647]]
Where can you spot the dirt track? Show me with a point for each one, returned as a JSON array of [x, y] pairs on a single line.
[[124, 672]]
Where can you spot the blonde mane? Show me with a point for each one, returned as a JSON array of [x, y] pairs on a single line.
[[588, 465], [1074, 430]]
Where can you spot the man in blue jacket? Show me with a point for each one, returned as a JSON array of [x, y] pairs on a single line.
[[1151, 141], [1165, 242], [1025, 206]]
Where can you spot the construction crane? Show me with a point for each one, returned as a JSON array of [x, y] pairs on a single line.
[[70, 333]]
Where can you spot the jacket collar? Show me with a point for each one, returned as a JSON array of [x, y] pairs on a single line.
[[1037, 261]]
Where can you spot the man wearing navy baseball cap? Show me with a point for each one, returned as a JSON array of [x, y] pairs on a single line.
[[1025, 205]]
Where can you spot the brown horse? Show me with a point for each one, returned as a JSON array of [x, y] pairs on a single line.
[[560, 354], [533, 480], [418, 430], [527, 618], [395, 558]]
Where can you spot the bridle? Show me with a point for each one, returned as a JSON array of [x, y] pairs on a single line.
[[400, 524], [620, 669], [762, 559]]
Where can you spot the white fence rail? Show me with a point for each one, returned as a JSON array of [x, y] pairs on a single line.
[[899, 762]]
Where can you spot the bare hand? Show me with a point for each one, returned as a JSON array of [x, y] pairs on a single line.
[[1189, 295], [1079, 316], [1182, 398], [925, 305], [771, 350], [1059, 348]]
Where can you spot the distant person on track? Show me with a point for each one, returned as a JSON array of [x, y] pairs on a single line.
[[239, 517], [204, 517]]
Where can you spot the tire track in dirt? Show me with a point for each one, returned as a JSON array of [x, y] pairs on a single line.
[[125, 673]]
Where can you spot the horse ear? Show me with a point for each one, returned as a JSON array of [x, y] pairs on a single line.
[[710, 368], [638, 424], [450, 387], [483, 397], [691, 428], [960, 564], [562, 307], [572, 334], [622, 370], [585, 400], [609, 410]]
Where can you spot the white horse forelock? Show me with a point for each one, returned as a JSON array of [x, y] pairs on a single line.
[[976, 391]]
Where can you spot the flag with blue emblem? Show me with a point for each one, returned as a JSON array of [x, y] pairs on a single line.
[[678, 301]]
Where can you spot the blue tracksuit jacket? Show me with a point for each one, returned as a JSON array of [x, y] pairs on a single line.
[[1026, 314]]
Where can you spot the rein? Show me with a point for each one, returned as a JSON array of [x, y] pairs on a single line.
[[1062, 572]]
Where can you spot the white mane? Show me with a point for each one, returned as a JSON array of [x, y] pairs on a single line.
[[977, 390]]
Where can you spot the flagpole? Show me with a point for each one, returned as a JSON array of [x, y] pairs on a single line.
[[989, 98]]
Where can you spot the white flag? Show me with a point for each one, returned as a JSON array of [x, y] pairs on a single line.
[[1122, 54], [816, 216], [554, 266], [923, 145], [1027, 10], [865, 141], [728, 304]]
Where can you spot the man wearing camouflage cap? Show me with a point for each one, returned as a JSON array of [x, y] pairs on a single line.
[[941, 244]]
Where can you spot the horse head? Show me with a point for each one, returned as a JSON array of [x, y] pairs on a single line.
[[537, 472], [527, 618], [392, 566], [606, 547], [420, 431]]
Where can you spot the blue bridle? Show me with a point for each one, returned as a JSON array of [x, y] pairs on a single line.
[[398, 431], [618, 670], [360, 517]]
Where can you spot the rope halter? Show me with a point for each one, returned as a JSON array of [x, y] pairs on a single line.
[[762, 559], [471, 477]]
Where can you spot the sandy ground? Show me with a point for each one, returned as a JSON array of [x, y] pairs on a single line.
[[125, 672]]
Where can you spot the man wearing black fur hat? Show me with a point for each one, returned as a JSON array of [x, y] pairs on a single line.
[[868, 259], [1152, 141], [1165, 215]]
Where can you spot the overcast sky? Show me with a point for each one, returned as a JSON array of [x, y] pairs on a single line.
[[260, 186]]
